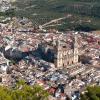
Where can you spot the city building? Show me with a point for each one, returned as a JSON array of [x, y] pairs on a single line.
[[66, 54]]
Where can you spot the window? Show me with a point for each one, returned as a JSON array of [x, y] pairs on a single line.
[[0, 79], [68, 62]]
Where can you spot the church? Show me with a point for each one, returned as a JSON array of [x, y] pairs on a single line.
[[60, 51], [66, 54]]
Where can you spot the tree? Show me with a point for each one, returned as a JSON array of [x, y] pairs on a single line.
[[22, 91], [93, 93]]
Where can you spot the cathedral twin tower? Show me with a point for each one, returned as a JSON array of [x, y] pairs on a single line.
[[66, 54]]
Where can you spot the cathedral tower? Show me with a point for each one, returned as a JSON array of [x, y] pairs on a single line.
[[75, 48], [58, 54], [66, 55]]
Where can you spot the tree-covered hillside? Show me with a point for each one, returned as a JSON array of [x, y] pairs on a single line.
[[84, 12]]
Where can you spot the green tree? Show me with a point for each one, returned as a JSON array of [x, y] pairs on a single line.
[[93, 93], [22, 91]]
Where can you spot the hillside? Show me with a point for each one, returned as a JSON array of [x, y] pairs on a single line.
[[84, 13]]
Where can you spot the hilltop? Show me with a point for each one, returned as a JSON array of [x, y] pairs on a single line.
[[84, 13]]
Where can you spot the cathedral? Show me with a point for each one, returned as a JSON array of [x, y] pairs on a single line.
[[66, 54]]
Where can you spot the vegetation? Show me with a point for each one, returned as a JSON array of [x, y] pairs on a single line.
[[4, 15], [8, 13], [85, 13], [93, 93], [22, 91]]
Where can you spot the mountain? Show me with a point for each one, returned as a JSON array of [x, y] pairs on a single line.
[[84, 14]]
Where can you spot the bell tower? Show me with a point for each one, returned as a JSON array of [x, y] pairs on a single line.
[[58, 55], [76, 57]]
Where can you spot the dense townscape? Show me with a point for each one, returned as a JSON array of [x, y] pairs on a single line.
[[30, 54], [63, 63]]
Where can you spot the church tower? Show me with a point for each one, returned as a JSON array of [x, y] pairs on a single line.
[[75, 48], [58, 55], [65, 56]]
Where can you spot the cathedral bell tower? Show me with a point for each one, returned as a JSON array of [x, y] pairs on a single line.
[[76, 48], [58, 54]]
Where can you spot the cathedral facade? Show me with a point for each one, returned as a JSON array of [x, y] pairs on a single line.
[[66, 54]]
